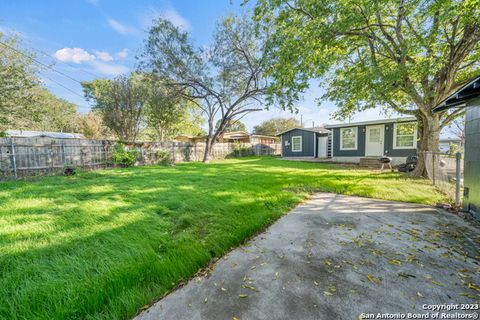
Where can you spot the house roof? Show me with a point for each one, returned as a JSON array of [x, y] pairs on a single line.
[[458, 98], [30, 134], [354, 124], [314, 129]]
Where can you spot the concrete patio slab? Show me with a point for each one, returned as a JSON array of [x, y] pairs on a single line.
[[338, 257]]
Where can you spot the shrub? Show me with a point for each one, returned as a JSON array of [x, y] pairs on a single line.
[[165, 158], [240, 150], [123, 157]]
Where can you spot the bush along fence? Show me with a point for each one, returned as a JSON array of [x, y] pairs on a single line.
[[24, 157], [446, 173]]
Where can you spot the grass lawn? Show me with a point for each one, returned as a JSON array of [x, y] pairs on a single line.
[[103, 244]]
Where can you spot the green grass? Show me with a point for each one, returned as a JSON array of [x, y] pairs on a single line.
[[103, 244]]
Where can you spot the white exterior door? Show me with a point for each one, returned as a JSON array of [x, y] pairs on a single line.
[[322, 147], [374, 140]]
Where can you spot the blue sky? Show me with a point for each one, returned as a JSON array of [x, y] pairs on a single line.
[[88, 39]]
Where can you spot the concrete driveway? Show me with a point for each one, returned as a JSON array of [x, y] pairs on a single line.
[[336, 257]]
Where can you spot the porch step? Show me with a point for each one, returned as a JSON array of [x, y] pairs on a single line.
[[370, 162]]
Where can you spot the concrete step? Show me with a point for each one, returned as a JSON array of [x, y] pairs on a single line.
[[370, 162]]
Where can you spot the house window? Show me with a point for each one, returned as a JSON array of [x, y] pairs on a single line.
[[348, 138], [404, 135], [297, 144]]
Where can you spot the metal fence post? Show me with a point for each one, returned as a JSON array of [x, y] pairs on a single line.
[[14, 159], [64, 158], [433, 167], [458, 158]]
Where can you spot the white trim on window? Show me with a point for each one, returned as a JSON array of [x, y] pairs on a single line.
[[293, 144], [355, 129], [415, 135]]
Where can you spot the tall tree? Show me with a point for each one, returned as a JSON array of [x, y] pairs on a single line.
[[233, 125], [225, 80], [404, 55], [18, 81], [274, 126], [167, 113], [121, 102], [91, 126]]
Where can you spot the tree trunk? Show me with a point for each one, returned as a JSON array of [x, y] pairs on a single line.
[[208, 150], [429, 129], [210, 141]]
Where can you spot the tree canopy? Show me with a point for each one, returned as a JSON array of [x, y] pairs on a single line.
[[403, 55], [274, 126], [233, 125], [121, 102], [225, 80]]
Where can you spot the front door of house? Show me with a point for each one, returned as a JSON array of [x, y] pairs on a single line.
[[374, 140], [322, 147]]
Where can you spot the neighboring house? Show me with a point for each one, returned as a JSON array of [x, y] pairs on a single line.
[[445, 144], [31, 134], [362, 141], [469, 97], [236, 136], [305, 142]]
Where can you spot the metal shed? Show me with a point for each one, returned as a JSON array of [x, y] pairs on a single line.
[[469, 97]]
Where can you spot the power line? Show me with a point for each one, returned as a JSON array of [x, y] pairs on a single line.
[[40, 63], [63, 86]]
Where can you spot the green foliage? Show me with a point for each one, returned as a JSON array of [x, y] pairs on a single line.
[[121, 102], [231, 126], [92, 127], [454, 148], [406, 55], [274, 126], [3, 134], [165, 158], [226, 79], [240, 150], [18, 81], [24, 104], [112, 241], [122, 156]]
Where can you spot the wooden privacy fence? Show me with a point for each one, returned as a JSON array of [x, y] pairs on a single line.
[[23, 157]]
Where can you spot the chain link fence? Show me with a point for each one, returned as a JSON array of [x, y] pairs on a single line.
[[446, 173]]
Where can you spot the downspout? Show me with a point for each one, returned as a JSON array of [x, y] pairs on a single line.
[[315, 145]]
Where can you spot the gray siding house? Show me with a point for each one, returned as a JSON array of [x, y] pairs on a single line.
[[469, 97], [305, 142], [395, 138]]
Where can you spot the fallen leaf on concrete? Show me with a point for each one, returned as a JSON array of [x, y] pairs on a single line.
[[223, 289], [327, 293], [243, 295], [419, 294], [472, 285], [395, 262], [206, 300], [250, 287], [235, 318], [372, 279], [316, 283], [436, 283]]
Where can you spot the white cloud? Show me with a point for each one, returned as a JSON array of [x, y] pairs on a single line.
[[76, 55], [122, 54], [169, 14], [103, 55], [109, 69], [121, 28]]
